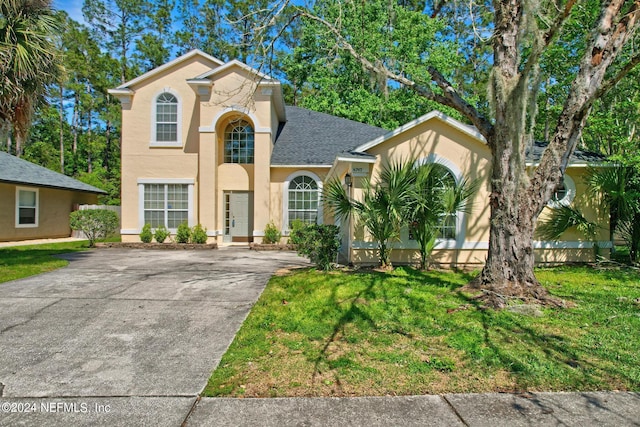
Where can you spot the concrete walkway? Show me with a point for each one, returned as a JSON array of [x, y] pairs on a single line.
[[130, 337]]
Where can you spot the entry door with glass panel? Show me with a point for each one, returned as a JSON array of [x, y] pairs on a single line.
[[238, 216]]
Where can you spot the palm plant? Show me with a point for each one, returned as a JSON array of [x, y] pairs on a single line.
[[29, 60], [434, 199], [382, 209], [619, 188]]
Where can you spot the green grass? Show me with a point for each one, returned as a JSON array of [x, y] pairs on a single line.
[[408, 332], [24, 261]]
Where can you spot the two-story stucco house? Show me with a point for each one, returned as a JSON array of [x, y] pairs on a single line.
[[213, 143]]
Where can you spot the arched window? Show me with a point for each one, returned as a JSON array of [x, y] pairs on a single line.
[[564, 194], [441, 177], [303, 199], [238, 142], [448, 229], [166, 118]]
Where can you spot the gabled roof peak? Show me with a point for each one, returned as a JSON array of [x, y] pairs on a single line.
[[178, 60], [231, 64]]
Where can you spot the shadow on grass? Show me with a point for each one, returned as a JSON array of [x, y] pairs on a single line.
[[535, 352], [378, 285], [20, 262]]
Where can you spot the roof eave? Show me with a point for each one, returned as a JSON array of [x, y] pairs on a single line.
[[178, 60], [53, 187]]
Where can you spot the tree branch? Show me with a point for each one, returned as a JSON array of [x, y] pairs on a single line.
[[450, 97]]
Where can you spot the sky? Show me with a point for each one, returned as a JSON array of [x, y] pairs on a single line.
[[72, 7]]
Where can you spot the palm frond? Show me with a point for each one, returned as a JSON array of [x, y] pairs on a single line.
[[563, 218]]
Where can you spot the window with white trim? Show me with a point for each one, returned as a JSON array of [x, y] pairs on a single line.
[[304, 198], [564, 193], [26, 208], [239, 142], [166, 204], [449, 223], [166, 118]]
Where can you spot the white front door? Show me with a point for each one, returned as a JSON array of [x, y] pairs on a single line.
[[238, 219]]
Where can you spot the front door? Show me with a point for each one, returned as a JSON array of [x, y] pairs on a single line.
[[238, 218]]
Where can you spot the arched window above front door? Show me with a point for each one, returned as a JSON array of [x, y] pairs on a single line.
[[239, 142]]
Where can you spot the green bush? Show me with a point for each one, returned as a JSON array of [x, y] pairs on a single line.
[[198, 235], [296, 233], [161, 234], [320, 243], [146, 235], [94, 223], [183, 235], [271, 234]]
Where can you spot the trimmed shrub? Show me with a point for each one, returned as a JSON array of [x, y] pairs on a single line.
[[183, 234], [94, 223], [296, 234], [320, 243], [271, 234], [199, 235], [161, 234], [146, 235]]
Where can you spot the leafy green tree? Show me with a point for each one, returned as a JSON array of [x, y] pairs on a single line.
[[332, 81], [29, 61], [152, 49], [602, 37], [117, 24], [94, 223]]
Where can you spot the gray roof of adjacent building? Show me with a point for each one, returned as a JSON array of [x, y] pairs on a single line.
[[18, 171], [313, 138]]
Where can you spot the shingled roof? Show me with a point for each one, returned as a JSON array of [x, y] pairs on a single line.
[[534, 154], [17, 171], [312, 138]]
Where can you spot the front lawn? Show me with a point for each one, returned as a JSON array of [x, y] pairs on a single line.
[[23, 261], [408, 332]]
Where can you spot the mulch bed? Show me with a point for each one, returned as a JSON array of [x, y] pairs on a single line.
[[171, 246]]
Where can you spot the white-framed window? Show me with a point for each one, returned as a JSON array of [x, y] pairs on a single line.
[[302, 195], [453, 227], [167, 203], [303, 199], [27, 207], [166, 120], [239, 141], [449, 227], [564, 194]]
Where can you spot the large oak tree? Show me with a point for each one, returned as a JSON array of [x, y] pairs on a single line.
[[521, 36]]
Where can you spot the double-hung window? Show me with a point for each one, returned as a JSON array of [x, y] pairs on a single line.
[[166, 120], [26, 207], [166, 204]]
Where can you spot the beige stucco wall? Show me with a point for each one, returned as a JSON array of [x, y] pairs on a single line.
[[235, 94], [471, 158], [280, 176], [54, 207]]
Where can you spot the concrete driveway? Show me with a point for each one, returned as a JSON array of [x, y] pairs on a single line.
[[124, 337]]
